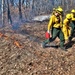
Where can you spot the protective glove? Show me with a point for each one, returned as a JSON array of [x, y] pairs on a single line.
[[48, 31]]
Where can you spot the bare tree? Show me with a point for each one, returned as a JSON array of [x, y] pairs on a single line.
[[27, 3], [23, 2], [8, 13], [32, 4], [20, 12], [3, 12], [33, 7], [67, 6], [12, 2]]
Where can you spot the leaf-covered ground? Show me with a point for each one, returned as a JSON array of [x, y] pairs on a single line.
[[31, 58]]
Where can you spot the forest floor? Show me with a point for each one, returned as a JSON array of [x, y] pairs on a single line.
[[21, 52]]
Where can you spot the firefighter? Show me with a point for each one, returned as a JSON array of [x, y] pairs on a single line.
[[66, 27], [55, 24], [53, 12], [72, 25]]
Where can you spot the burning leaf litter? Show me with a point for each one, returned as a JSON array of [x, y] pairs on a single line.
[[32, 59], [16, 43]]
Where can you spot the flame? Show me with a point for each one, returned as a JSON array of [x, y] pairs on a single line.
[[17, 44], [12, 38], [1, 34]]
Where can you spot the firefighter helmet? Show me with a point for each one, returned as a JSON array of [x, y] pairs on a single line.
[[72, 11], [68, 16]]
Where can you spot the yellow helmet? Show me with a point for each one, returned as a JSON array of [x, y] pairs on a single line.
[[68, 16], [59, 9], [72, 11]]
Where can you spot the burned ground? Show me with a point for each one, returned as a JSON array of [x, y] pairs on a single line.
[[30, 58]]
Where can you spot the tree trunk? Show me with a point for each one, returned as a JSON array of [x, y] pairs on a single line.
[[3, 9], [8, 13], [20, 12], [12, 2], [23, 2], [2, 12], [67, 6], [32, 4], [26, 4]]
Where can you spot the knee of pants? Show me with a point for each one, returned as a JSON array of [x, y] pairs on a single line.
[[52, 39]]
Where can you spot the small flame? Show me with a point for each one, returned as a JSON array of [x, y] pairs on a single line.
[[12, 38], [1, 34], [17, 44], [6, 37]]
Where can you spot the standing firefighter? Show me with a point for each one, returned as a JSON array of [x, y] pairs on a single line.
[[66, 27], [55, 24], [72, 25]]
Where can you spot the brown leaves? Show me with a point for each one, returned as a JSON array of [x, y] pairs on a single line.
[[16, 43]]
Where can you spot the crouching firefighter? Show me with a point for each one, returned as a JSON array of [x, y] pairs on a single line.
[[55, 24], [72, 24], [66, 27]]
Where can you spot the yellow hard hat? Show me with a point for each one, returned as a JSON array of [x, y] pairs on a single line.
[[68, 16], [73, 11], [59, 9]]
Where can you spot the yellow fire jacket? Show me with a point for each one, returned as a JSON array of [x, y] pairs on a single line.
[[55, 22], [73, 17], [66, 28]]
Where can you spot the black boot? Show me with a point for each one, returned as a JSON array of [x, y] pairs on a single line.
[[70, 39], [43, 45], [63, 48]]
